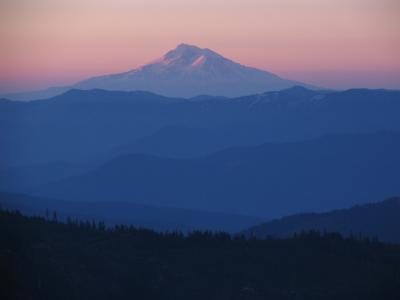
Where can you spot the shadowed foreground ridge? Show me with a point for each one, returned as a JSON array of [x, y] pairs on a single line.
[[45, 259]]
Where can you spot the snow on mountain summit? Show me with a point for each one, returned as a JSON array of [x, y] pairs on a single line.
[[189, 53], [185, 57]]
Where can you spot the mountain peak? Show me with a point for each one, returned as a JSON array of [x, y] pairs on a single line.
[[188, 71]]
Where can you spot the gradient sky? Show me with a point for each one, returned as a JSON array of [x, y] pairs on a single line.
[[331, 43]]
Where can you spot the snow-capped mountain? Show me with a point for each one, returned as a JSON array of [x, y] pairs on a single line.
[[186, 71], [189, 71]]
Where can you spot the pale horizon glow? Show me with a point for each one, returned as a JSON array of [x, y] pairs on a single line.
[[335, 44]]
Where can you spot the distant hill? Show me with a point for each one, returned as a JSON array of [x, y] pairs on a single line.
[[271, 180], [380, 220], [113, 213], [23, 177], [35, 95], [177, 142], [80, 126]]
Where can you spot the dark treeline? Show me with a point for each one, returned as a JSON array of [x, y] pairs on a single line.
[[42, 258]]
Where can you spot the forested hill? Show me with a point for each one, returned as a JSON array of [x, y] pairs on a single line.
[[380, 220], [45, 259]]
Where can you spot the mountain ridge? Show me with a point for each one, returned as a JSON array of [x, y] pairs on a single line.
[[270, 180], [86, 124]]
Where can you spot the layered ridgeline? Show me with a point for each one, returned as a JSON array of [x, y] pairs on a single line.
[[163, 219], [98, 125], [186, 71], [377, 220], [270, 180], [128, 147]]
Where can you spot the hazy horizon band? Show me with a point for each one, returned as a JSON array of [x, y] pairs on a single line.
[[336, 44]]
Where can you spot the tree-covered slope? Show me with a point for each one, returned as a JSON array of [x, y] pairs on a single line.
[[42, 259]]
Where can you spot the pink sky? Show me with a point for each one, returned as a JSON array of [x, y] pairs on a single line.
[[339, 44]]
